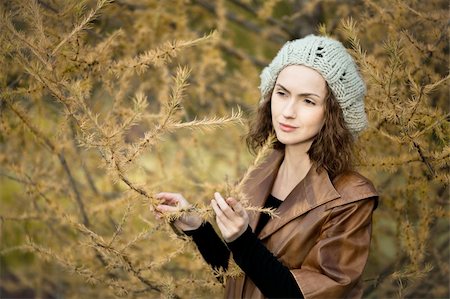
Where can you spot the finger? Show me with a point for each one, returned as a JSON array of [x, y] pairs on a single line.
[[170, 198], [166, 209], [166, 197], [222, 227], [236, 206], [169, 202], [219, 213], [224, 206], [158, 215]]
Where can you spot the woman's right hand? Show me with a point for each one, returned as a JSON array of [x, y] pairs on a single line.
[[174, 202]]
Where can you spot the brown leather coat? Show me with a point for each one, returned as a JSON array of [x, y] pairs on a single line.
[[322, 234]]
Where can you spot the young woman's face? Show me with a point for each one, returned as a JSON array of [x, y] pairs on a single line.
[[298, 105]]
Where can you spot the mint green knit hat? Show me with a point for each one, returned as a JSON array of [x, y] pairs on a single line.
[[330, 58]]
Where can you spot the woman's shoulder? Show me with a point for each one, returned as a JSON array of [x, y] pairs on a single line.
[[353, 187], [351, 182]]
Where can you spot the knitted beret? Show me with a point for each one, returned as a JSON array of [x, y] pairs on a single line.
[[330, 58]]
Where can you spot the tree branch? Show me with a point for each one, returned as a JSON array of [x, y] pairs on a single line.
[[424, 160], [53, 149], [283, 27], [275, 38], [241, 55]]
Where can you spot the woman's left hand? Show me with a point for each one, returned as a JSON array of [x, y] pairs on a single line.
[[231, 217]]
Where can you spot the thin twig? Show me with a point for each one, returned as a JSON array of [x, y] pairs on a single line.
[[275, 38]]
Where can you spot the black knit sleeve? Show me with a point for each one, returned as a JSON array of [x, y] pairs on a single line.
[[211, 247], [271, 277]]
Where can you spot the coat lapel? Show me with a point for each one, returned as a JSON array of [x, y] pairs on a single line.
[[314, 190], [260, 184]]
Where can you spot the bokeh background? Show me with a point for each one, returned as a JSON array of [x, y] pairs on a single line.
[[105, 103]]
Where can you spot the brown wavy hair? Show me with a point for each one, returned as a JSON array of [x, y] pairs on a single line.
[[331, 149]]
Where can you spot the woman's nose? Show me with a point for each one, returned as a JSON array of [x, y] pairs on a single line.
[[289, 109]]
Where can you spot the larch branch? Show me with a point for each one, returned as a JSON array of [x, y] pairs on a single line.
[[92, 14], [275, 38]]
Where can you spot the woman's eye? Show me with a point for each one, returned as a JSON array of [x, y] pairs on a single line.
[[309, 102], [280, 93]]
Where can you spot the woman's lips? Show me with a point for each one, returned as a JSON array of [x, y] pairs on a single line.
[[287, 128]]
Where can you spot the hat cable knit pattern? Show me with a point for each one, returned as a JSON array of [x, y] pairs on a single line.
[[330, 58]]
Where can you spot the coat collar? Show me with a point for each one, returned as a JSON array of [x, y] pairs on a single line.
[[314, 190]]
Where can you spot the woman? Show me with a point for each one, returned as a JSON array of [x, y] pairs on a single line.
[[312, 98]]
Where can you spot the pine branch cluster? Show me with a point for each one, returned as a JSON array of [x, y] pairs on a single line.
[[105, 103]]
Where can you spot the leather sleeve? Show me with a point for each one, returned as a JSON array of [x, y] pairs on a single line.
[[335, 263]]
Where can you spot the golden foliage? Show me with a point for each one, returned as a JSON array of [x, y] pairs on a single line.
[[95, 100]]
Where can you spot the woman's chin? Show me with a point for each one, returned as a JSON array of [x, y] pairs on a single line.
[[295, 142], [287, 140]]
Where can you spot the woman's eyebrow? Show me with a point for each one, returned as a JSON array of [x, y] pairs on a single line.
[[305, 94]]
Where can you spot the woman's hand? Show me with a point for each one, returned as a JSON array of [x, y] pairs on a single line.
[[174, 202], [231, 217]]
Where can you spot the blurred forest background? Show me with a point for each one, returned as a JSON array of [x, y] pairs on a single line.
[[105, 103]]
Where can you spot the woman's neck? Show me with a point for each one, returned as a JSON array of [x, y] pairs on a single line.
[[296, 159], [293, 169]]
